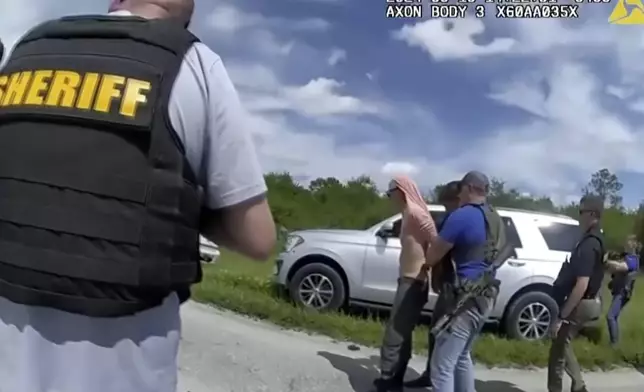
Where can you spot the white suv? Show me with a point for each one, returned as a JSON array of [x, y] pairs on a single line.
[[328, 269]]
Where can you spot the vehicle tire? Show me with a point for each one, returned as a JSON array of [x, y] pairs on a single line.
[[330, 294], [530, 315]]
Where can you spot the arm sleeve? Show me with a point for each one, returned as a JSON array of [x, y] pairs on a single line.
[[233, 174], [453, 226], [585, 263]]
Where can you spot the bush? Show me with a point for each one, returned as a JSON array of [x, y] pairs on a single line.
[[244, 287]]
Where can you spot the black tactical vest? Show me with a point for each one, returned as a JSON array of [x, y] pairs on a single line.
[[495, 251], [565, 281], [492, 251], [99, 209]]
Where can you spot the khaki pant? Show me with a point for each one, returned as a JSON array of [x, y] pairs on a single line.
[[562, 358]]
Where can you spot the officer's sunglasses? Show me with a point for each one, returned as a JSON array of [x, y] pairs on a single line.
[[582, 211], [390, 192]]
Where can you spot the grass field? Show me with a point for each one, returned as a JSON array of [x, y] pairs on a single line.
[[244, 286]]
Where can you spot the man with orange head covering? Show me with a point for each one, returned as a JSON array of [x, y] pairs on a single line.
[[416, 232]]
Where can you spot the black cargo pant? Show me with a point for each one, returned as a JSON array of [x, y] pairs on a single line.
[[396, 349]]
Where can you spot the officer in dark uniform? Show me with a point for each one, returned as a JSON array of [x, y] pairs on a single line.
[[577, 290]]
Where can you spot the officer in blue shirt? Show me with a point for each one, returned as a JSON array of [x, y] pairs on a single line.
[[622, 284], [462, 232]]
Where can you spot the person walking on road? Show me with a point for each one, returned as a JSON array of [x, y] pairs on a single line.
[[474, 234], [622, 284], [416, 231], [449, 198], [577, 289], [122, 139]]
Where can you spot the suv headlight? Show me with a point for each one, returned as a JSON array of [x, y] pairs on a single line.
[[292, 241]]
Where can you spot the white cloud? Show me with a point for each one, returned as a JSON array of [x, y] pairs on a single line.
[[395, 168], [337, 55], [319, 97], [637, 105], [227, 18], [453, 39], [574, 136], [619, 92]]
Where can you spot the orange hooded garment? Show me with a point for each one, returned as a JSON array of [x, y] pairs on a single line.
[[417, 229]]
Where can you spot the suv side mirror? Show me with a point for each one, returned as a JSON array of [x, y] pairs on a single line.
[[386, 230]]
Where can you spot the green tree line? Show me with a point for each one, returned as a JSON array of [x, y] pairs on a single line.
[[358, 204]]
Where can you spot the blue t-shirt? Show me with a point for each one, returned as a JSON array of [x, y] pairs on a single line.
[[465, 229], [633, 262]]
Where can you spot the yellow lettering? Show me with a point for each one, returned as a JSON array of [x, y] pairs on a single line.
[[3, 83], [107, 92], [63, 89], [134, 95], [69, 89], [15, 93], [87, 91], [35, 95]]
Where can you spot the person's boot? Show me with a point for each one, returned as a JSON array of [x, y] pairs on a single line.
[[387, 385], [422, 381]]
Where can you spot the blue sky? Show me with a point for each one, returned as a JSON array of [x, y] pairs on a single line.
[[334, 89]]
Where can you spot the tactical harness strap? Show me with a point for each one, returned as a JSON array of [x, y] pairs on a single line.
[[464, 293]]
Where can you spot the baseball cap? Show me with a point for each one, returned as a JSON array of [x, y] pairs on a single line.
[[476, 179], [592, 203]]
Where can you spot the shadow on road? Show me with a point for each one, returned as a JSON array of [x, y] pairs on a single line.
[[496, 386], [362, 371]]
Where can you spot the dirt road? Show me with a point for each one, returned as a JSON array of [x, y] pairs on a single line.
[[224, 352]]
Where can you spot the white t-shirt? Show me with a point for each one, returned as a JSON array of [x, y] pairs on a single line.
[[47, 350]]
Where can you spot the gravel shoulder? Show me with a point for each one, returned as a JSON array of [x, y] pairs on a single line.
[[225, 352]]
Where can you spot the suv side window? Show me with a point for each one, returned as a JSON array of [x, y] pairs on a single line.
[[511, 233], [396, 228], [560, 236], [438, 217]]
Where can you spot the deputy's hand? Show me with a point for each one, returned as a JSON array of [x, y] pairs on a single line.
[[554, 330]]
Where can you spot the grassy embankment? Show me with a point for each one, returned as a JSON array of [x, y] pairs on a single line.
[[244, 286]]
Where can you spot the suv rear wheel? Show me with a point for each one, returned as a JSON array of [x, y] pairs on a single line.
[[317, 286], [530, 315]]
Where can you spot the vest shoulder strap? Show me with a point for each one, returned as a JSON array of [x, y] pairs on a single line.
[[164, 33]]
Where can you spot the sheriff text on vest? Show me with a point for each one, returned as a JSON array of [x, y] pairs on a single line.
[[69, 89]]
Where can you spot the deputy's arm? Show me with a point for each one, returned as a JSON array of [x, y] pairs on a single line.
[[616, 266], [246, 228], [237, 216], [583, 268]]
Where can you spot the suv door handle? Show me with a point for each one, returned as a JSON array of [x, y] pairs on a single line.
[[516, 263]]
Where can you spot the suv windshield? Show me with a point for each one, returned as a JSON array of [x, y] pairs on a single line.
[[560, 236]]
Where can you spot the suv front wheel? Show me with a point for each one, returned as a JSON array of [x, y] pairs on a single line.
[[317, 286], [529, 316]]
